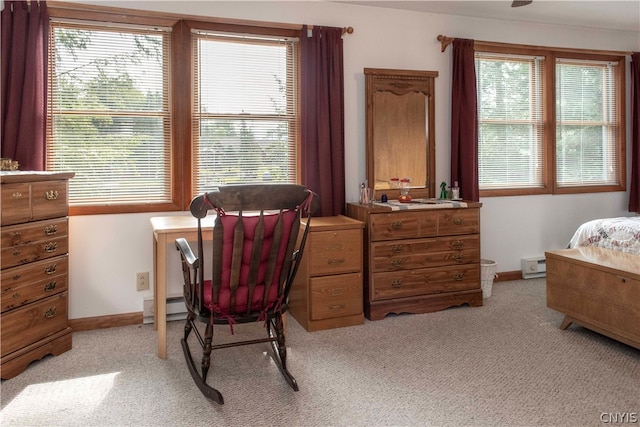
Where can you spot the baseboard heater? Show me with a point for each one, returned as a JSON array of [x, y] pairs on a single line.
[[176, 310], [534, 267]]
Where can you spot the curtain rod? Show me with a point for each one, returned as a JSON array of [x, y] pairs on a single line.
[[446, 41], [345, 30]]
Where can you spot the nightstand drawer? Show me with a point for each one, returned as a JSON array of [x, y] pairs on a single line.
[[336, 296], [335, 252]]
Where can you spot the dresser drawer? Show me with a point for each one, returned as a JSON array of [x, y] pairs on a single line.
[[33, 322], [458, 221], [49, 199], [336, 296], [395, 226], [423, 253], [25, 284], [16, 203], [407, 283], [33, 231], [33, 241], [335, 252], [23, 254]]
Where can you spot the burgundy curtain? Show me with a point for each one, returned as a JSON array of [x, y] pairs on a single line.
[[322, 121], [25, 28], [634, 190], [464, 121]]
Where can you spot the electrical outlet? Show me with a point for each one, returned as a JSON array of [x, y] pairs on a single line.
[[142, 281]]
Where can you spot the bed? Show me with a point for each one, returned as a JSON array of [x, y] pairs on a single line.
[[621, 234], [595, 282]]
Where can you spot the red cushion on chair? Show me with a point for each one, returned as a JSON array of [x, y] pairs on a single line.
[[250, 222]]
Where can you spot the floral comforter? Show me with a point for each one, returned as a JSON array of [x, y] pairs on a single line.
[[621, 234]]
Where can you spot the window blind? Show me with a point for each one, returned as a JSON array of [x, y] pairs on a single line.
[[245, 109], [587, 123], [510, 121], [108, 112]]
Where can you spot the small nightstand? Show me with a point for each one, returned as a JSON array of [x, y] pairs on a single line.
[[327, 291]]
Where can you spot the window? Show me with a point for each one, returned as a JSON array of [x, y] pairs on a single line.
[[549, 122], [245, 112], [510, 121], [149, 111], [587, 123], [109, 119]]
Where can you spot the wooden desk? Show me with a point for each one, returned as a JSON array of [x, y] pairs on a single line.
[[166, 229]]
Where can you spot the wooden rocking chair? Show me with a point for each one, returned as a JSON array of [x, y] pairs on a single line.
[[256, 250]]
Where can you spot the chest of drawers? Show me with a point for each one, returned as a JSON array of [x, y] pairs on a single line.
[[34, 248], [327, 290], [419, 260]]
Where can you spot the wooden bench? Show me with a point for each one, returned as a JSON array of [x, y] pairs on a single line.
[[598, 289]]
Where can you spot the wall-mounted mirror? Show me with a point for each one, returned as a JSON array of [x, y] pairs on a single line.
[[400, 130]]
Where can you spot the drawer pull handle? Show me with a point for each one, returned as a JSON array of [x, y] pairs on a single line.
[[50, 269], [15, 295], [16, 236], [335, 261], [396, 283], [396, 249], [51, 247], [396, 225], [50, 230], [397, 263], [458, 221], [336, 306], [51, 194], [15, 253], [458, 244], [16, 195], [16, 277], [50, 286], [50, 313], [458, 257], [458, 276]]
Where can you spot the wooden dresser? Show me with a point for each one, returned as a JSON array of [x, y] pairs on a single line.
[[419, 260], [34, 245], [327, 290]]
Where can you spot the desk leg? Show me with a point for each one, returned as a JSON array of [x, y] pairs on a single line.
[[155, 282], [160, 294]]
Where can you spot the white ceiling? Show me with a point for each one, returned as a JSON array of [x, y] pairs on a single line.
[[612, 15]]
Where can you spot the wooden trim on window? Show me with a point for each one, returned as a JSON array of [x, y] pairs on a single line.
[[62, 9], [549, 115], [182, 114], [529, 49]]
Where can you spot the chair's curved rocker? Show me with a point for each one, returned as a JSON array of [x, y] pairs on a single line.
[[256, 250]]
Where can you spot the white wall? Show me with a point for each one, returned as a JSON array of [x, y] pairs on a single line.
[[106, 251]]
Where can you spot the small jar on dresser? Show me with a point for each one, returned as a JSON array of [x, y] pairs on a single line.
[[327, 289], [34, 278], [421, 258]]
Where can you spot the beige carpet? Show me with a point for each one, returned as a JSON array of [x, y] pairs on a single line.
[[504, 364]]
